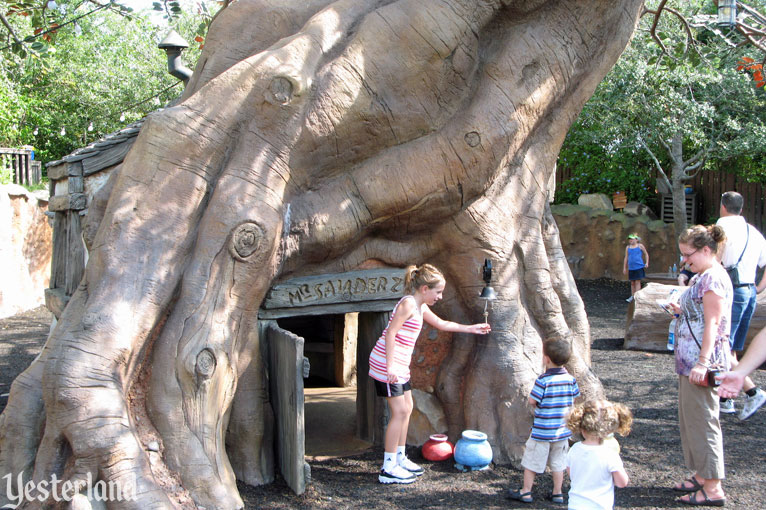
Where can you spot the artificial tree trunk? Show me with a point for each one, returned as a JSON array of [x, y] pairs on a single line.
[[317, 137]]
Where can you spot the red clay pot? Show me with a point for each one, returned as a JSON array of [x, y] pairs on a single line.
[[437, 448]]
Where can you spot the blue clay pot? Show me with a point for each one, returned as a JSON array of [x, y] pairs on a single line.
[[472, 450]]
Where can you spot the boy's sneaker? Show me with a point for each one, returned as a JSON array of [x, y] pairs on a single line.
[[411, 466], [397, 474], [727, 407], [752, 404]]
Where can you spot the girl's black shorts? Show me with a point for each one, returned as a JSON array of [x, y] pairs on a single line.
[[390, 389]]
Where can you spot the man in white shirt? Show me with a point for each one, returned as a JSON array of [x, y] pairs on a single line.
[[745, 249]]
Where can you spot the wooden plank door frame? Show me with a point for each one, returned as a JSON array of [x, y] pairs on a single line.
[[287, 369]]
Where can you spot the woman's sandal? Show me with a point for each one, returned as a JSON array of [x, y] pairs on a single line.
[[524, 497], [706, 501], [695, 485], [557, 498]]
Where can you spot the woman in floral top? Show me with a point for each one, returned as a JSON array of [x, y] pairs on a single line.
[[702, 340]]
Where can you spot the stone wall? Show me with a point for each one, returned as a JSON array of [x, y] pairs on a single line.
[[594, 240], [25, 249]]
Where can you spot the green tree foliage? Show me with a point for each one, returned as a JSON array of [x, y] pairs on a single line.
[[69, 82], [667, 87]]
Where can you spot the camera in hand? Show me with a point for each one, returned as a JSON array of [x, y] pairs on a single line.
[[709, 379]]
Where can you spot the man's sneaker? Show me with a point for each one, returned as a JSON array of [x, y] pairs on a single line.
[[727, 406], [752, 404], [397, 474], [410, 466]]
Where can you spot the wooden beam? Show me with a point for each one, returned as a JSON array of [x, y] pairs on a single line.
[[355, 306], [74, 201]]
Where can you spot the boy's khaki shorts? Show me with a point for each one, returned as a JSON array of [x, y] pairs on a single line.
[[538, 454]]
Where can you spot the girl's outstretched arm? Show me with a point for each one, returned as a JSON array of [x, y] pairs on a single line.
[[439, 323]]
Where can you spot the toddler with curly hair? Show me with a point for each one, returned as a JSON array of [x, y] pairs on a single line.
[[594, 466]]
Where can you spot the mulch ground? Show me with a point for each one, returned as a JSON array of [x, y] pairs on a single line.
[[645, 382]]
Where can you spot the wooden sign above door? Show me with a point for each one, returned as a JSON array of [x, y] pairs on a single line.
[[331, 290]]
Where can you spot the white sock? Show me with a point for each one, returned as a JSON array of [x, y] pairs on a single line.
[[400, 454], [389, 461]]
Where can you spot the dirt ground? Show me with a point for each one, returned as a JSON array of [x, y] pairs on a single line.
[[645, 382]]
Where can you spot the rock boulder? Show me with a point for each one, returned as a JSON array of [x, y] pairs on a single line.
[[639, 209], [427, 418], [595, 201]]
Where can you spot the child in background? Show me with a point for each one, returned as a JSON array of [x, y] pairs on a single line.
[[685, 276], [594, 465], [552, 397], [634, 263]]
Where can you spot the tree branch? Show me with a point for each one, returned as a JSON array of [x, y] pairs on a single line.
[[684, 23], [751, 32], [663, 175], [664, 143], [696, 162], [701, 155], [61, 25], [10, 30], [653, 30]]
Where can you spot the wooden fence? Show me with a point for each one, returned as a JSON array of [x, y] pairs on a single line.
[[24, 169], [709, 187]]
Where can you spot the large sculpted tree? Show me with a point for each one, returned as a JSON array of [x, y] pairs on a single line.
[[314, 137]]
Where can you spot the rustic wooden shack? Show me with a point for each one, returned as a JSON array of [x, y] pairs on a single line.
[[73, 181]]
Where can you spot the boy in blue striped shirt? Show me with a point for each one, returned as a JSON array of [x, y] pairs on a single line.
[[552, 397]]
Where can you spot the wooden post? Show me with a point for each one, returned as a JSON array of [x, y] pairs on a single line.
[[371, 411]]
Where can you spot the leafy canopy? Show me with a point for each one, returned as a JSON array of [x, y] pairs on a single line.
[[82, 70], [689, 88]]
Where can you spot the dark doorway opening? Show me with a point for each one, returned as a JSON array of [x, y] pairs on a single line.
[[330, 407], [330, 346]]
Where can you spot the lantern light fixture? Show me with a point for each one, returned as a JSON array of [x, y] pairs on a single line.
[[727, 13]]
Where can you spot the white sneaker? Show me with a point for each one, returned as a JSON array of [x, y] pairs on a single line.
[[629, 300], [752, 404], [410, 466], [727, 407], [397, 474]]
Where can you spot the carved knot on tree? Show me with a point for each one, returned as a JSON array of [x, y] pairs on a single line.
[[206, 363], [472, 139], [89, 320], [245, 240], [280, 91]]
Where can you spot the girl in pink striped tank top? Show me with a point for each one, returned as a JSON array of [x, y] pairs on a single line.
[[390, 363]]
